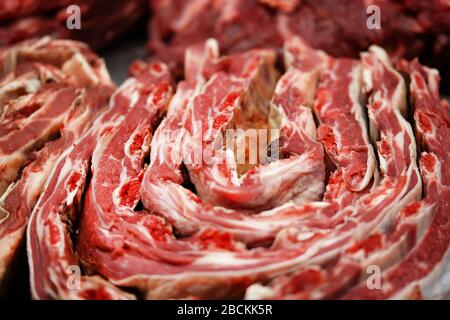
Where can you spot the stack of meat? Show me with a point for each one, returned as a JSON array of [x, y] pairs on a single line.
[[101, 21], [50, 93], [122, 207]]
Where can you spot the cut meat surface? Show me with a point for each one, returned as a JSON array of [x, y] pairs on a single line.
[[39, 89], [17, 144], [388, 245], [138, 193], [430, 258], [133, 109], [343, 130], [248, 191], [48, 102], [20, 198]]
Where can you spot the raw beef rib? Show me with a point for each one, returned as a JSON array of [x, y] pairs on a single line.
[[50, 93], [137, 192]]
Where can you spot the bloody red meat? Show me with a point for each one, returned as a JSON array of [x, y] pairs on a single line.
[[408, 28], [101, 21]]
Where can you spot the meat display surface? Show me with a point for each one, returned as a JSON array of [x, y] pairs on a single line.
[[154, 190]]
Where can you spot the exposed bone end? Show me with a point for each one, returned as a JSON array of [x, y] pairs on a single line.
[[10, 57], [197, 57], [381, 54], [258, 292], [79, 67]]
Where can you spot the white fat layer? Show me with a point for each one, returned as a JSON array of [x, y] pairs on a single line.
[[355, 90], [30, 86], [80, 67], [223, 259], [258, 292]]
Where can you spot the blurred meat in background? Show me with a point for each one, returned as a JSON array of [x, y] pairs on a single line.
[[102, 21], [408, 28]]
